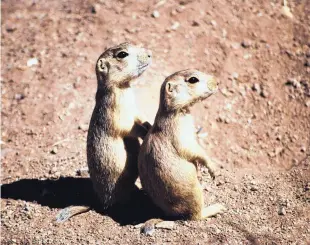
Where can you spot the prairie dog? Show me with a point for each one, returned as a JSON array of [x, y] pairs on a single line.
[[112, 141], [169, 152]]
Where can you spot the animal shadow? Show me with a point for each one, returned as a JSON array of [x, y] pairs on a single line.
[[70, 191]]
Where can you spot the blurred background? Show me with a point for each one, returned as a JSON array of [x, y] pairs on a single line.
[[256, 127]]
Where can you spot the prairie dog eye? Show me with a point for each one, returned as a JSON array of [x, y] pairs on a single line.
[[122, 55], [193, 80]]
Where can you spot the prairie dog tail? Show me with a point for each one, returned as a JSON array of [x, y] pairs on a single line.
[[69, 212]]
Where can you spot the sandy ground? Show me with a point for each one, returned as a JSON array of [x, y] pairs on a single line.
[[257, 127]]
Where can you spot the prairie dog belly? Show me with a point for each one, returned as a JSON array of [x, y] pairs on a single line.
[[169, 180], [185, 135], [127, 111]]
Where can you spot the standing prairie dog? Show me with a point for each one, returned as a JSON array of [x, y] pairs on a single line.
[[112, 141], [169, 152]]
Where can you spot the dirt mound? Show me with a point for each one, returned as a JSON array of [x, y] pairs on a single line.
[[257, 127]]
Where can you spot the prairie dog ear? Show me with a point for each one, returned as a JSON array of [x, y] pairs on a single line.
[[171, 88], [102, 65]]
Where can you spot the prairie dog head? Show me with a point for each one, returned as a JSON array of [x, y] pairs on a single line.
[[184, 88], [118, 65]]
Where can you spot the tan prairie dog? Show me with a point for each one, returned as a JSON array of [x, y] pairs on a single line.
[[112, 141], [170, 151]]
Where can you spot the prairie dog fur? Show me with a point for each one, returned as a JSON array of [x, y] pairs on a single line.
[[169, 152], [112, 141]]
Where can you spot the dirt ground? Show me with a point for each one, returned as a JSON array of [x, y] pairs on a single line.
[[257, 128]]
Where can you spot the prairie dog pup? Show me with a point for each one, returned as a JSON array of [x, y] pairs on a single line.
[[112, 141], [170, 150]]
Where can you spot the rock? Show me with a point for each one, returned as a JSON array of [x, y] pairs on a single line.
[[285, 10], [281, 210], [264, 93], [307, 63], [256, 87], [53, 170], [224, 33], [213, 23], [303, 149], [180, 9], [26, 207], [235, 45], [168, 225], [247, 56], [307, 103], [173, 12], [293, 82], [138, 226], [155, 14], [95, 8], [246, 43], [32, 62], [184, 2], [175, 26], [83, 127], [54, 150], [82, 172], [195, 23], [19, 96], [10, 28], [235, 75], [253, 186]]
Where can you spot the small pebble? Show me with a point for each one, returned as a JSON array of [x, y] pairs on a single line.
[[155, 14], [168, 225], [82, 172], [224, 33], [256, 87], [235, 75], [282, 210], [83, 127], [19, 96], [54, 150], [32, 62], [293, 82], [138, 226], [213, 23], [246, 44], [95, 8], [235, 45], [10, 28], [285, 10], [264, 93], [195, 23], [175, 26]]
